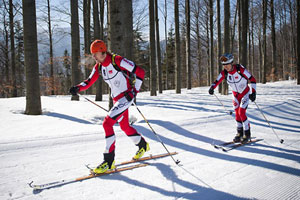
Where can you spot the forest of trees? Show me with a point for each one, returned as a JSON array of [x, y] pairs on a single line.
[[264, 36]]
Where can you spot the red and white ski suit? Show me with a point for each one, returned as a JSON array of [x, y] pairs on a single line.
[[120, 86], [238, 81]]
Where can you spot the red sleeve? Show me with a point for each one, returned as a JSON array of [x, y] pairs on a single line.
[[91, 80], [140, 73]]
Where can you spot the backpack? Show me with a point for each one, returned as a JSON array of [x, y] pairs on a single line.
[[131, 76]]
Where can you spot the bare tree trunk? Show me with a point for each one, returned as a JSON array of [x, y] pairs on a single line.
[[286, 47], [245, 22], [177, 50], [260, 70], [33, 99], [75, 44], [219, 40], [211, 23], [208, 46], [283, 42], [87, 36], [199, 53], [249, 48], [293, 36], [87, 28], [166, 41], [159, 70], [153, 72], [233, 28], [115, 29], [188, 45], [101, 6], [20, 58], [226, 38], [298, 42], [6, 55], [128, 29], [239, 4], [12, 50], [273, 36], [51, 49], [252, 38], [264, 45], [97, 35], [199, 49]]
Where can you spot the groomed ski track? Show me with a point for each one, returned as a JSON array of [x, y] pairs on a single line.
[[57, 145]]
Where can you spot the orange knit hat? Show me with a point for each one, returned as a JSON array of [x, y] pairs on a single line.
[[98, 46]]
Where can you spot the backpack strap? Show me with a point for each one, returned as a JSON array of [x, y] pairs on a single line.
[[238, 69], [127, 74], [100, 69], [113, 59]]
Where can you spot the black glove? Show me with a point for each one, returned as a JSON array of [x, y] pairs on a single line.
[[211, 90], [73, 90], [252, 96], [130, 95]]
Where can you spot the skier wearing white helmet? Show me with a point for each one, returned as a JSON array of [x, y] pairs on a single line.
[[237, 77]]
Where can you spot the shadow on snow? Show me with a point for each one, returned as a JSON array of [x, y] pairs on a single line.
[[66, 117], [168, 173], [249, 161]]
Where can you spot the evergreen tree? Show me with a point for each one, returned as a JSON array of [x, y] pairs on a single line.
[[169, 56], [20, 68]]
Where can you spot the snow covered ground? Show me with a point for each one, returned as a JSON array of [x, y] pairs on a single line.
[[58, 144]]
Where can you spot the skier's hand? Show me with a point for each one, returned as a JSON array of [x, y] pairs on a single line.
[[74, 90], [130, 95], [252, 96], [211, 90]]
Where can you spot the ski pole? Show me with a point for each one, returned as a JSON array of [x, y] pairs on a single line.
[[177, 162], [280, 140], [92, 102], [229, 112]]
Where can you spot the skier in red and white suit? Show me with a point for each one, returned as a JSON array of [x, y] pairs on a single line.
[[237, 77], [123, 94]]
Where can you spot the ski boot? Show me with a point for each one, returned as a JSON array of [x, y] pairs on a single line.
[[239, 135], [143, 147], [107, 164], [247, 136]]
